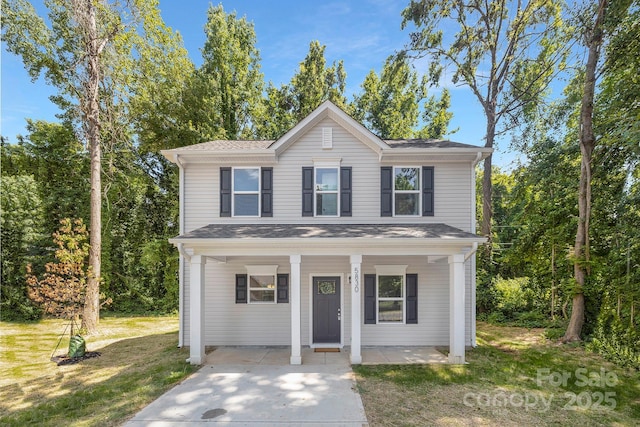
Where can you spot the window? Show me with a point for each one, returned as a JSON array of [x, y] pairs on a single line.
[[262, 289], [326, 186], [390, 299], [406, 190], [390, 293], [246, 191], [262, 283]]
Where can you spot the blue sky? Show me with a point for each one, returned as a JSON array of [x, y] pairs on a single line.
[[363, 33]]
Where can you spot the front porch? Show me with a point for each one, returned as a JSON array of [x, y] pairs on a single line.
[[279, 356]]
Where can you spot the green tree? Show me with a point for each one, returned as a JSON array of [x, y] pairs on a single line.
[[79, 50], [21, 224], [230, 72], [390, 103], [505, 53], [313, 84]]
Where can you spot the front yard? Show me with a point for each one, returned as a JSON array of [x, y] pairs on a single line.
[[515, 377], [139, 361]]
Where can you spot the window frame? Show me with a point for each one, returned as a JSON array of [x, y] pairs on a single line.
[[335, 165], [262, 270], [257, 192], [392, 270], [418, 191]]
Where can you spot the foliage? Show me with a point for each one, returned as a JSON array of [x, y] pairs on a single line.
[[230, 72], [313, 84], [507, 53], [389, 104], [617, 342], [21, 223], [61, 290]]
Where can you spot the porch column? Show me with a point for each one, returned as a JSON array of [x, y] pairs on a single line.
[[456, 309], [356, 281], [196, 310], [296, 356]]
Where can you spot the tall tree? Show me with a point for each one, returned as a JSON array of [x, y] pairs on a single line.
[[390, 103], [505, 52], [604, 19], [77, 50], [230, 72], [313, 84]]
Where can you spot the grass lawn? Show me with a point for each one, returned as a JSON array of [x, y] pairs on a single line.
[[139, 361], [515, 377]]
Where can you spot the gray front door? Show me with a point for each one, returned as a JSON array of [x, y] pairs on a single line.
[[326, 310]]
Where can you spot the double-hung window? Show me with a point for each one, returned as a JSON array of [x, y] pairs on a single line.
[[262, 283], [246, 191], [406, 188], [327, 190], [407, 191], [391, 293]]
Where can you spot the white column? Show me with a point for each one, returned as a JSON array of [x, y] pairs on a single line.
[[294, 293], [456, 309], [356, 303], [196, 310]]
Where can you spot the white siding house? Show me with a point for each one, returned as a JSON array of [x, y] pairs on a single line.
[[329, 237]]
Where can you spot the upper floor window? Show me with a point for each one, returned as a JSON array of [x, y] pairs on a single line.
[[326, 186], [246, 191], [326, 189], [406, 190]]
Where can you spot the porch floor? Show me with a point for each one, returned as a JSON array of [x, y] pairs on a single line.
[[280, 356]]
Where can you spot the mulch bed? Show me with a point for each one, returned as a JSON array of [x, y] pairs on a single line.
[[64, 360]]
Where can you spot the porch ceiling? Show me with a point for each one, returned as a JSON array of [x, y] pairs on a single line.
[[328, 239]]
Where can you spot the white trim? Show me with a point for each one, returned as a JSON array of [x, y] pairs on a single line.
[[181, 258], [418, 191], [295, 305], [262, 270], [326, 345], [234, 192], [326, 164], [391, 270]]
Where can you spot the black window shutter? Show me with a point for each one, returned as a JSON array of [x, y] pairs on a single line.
[[369, 298], [266, 192], [241, 288], [412, 298], [225, 191], [307, 191], [283, 288], [345, 191], [386, 191], [427, 191]]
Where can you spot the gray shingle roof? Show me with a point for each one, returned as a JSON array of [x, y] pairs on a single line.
[[224, 145], [328, 231], [425, 143]]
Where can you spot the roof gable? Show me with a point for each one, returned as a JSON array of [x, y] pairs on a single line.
[[330, 110]]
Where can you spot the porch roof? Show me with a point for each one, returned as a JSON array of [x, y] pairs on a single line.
[[327, 231]]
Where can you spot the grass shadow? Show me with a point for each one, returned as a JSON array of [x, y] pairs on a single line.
[[129, 374]]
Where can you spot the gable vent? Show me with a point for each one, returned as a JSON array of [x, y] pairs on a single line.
[[327, 138]]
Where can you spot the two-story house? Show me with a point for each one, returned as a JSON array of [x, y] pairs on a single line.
[[327, 237]]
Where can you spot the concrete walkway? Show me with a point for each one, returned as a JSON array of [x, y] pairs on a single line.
[[256, 386], [261, 390]]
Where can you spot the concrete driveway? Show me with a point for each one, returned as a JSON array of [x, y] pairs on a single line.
[[259, 388]]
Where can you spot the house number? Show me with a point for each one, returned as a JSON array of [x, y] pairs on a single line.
[[356, 279]]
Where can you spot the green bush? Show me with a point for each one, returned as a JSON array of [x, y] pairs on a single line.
[[615, 341]]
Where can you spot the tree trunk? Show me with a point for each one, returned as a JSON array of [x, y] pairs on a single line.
[[91, 314], [587, 144], [487, 190]]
